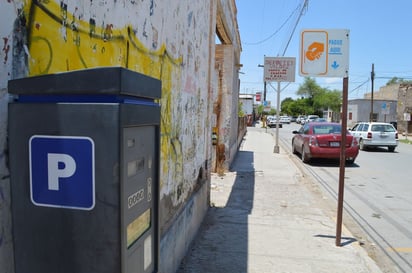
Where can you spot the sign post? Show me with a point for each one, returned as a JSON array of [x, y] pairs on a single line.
[[406, 118], [325, 53], [279, 69]]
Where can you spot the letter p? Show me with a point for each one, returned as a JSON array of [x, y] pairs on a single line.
[[59, 166]]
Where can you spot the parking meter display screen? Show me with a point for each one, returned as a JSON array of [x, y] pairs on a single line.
[[136, 228]]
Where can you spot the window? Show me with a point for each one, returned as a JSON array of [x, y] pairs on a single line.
[[389, 128]]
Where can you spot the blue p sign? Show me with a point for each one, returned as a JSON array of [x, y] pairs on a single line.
[[62, 171]]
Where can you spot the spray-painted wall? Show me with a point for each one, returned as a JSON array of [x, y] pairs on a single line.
[[169, 40]]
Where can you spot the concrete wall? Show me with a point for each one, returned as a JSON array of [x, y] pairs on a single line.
[[404, 107], [360, 109], [402, 94], [228, 104], [388, 92], [173, 41]]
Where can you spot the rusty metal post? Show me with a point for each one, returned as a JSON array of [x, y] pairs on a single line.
[[372, 82], [276, 148], [342, 160]]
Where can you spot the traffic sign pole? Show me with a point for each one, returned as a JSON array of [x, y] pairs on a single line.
[[342, 161], [276, 148], [279, 69], [325, 53]]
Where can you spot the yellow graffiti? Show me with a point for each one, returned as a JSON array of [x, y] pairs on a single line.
[[58, 42]]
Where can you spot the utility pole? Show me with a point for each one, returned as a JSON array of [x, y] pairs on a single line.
[[264, 86], [372, 79], [264, 92]]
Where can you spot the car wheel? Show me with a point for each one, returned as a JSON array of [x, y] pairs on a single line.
[[391, 148], [362, 145], [350, 161], [294, 149], [304, 156]]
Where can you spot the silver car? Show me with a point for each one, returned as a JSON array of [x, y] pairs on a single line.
[[375, 134]]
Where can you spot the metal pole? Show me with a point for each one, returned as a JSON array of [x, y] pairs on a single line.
[[264, 92], [372, 81], [342, 161], [276, 148]]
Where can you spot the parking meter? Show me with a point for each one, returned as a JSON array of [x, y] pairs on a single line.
[[84, 161]]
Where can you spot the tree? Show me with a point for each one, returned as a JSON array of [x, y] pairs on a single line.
[[241, 113], [286, 106], [328, 99], [396, 80], [260, 110], [302, 107], [315, 99], [296, 107], [272, 111], [309, 88]]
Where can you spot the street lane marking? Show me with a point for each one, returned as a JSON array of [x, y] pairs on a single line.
[[401, 249]]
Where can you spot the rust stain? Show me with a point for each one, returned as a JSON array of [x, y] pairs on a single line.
[[6, 48]]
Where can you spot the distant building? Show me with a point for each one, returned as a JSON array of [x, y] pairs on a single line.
[[247, 106], [401, 97], [404, 108], [360, 110], [388, 92]]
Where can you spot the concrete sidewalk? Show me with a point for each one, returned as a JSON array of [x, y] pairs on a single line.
[[265, 218]]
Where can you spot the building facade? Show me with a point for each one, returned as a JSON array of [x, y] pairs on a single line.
[[360, 110], [404, 105], [173, 41], [397, 100]]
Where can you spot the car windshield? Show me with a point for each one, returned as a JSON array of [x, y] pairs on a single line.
[[326, 129]]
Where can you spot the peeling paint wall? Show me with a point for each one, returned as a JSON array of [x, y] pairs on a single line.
[[228, 105], [169, 40], [404, 106], [8, 16]]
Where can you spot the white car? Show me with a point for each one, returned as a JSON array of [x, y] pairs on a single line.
[[301, 119], [284, 119], [375, 134], [311, 118], [271, 122]]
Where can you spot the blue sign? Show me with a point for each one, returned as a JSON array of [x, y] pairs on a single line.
[[62, 171]]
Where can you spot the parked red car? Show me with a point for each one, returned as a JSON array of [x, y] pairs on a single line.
[[322, 140]]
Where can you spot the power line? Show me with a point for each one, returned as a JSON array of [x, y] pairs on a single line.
[[305, 5], [276, 31], [389, 78], [359, 86]]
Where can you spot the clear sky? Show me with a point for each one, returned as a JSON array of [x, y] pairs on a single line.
[[380, 33]]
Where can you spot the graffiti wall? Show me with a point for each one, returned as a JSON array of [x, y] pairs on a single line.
[[167, 40]]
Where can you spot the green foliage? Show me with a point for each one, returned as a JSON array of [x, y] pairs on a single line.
[[241, 113], [272, 111], [406, 141], [260, 109], [309, 88], [314, 99], [287, 106], [396, 80]]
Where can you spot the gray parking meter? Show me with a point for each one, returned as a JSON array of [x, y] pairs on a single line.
[[84, 161]]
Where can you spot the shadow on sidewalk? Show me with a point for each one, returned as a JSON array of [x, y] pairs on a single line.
[[222, 242]]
